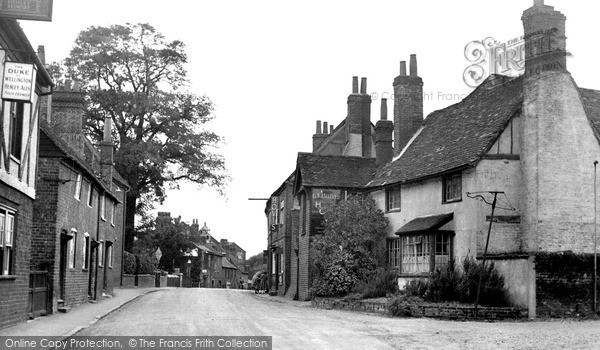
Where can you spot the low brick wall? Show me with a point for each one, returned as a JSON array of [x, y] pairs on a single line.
[[143, 281], [128, 281], [443, 311], [146, 281], [357, 305]]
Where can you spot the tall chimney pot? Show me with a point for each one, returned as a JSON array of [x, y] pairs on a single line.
[[413, 65], [403, 68], [363, 85], [355, 85], [384, 109]]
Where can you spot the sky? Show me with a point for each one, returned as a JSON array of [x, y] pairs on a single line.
[[273, 68]]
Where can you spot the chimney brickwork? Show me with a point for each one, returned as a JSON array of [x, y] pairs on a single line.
[[384, 130], [68, 109], [408, 104]]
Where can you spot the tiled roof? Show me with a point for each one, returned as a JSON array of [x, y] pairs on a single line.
[[457, 136], [228, 265], [425, 223], [591, 103], [333, 171], [68, 152]]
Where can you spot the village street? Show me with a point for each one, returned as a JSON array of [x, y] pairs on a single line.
[[296, 325]]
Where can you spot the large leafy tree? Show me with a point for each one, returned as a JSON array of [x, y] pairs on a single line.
[[133, 75], [351, 248]]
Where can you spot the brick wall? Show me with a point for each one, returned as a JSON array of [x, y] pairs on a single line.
[[303, 248], [559, 148], [292, 291], [564, 284], [14, 290]]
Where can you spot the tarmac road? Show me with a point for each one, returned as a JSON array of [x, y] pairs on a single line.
[[295, 325]]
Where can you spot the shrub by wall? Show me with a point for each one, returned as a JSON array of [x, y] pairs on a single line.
[[450, 284], [129, 263], [135, 264]]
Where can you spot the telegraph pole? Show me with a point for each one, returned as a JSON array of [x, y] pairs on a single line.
[[595, 306]]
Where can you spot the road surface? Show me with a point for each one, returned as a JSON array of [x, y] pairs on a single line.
[[295, 325]]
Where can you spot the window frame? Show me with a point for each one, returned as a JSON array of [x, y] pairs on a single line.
[[100, 254], [447, 181], [72, 251], [112, 212], [7, 241], [282, 212], [422, 249], [390, 200], [16, 129], [86, 251], [394, 253], [103, 207], [90, 197], [78, 186], [109, 254]]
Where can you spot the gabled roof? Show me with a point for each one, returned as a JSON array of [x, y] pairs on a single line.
[[333, 171], [457, 136], [228, 264], [52, 145]]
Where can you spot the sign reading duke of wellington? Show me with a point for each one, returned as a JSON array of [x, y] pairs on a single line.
[[35, 10], [18, 83], [321, 200]]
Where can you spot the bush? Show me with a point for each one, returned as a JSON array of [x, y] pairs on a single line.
[[493, 292], [129, 263], [444, 285], [334, 281], [400, 305], [448, 284], [379, 284], [146, 265], [135, 264], [416, 287]]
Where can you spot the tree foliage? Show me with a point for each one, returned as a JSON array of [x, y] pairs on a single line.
[[351, 248], [255, 264], [173, 237], [133, 75]]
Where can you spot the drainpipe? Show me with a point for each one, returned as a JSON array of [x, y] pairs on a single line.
[[99, 217], [123, 236]]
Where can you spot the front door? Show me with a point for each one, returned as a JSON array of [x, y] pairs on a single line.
[[64, 241]]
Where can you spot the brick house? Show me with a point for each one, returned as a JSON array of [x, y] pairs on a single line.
[[77, 231], [212, 263], [18, 163], [534, 137], [342, 162]]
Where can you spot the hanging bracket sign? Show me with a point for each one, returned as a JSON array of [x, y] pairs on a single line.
[[34, 10], [18, 83]]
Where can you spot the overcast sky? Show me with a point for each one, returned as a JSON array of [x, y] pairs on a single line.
[[275, 67]]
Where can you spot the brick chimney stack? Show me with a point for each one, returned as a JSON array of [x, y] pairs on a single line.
[[545, 39], [408, 104], [45, 101], [320, 136], [107, 152], [358, 121], [384, 129], [68, 109]]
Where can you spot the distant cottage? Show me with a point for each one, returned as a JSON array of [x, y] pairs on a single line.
[[533, 137]]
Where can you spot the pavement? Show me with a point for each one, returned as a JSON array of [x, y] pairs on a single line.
[[64, 325]]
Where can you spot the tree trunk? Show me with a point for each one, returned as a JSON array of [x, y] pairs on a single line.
[[130, 221]]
